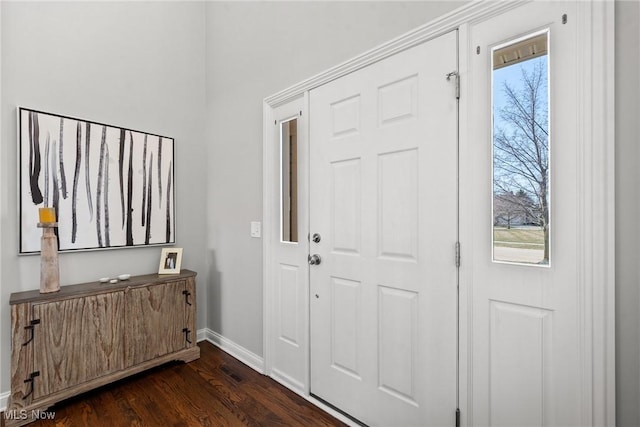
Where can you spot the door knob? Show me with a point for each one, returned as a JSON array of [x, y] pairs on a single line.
[[315, 259]]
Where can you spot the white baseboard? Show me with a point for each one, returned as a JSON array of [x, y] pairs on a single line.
[[4, 398], [242, 354]]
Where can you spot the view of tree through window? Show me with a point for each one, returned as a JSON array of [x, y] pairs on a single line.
[[521, 152]]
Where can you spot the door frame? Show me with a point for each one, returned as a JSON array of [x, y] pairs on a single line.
[[595, 222]]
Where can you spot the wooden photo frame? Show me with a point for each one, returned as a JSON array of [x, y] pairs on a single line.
[[170, 261], [110, 187]]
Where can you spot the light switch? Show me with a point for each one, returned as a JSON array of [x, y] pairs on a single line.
[[256, 229]]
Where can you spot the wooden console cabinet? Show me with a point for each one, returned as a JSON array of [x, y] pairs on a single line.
[[91, 334]]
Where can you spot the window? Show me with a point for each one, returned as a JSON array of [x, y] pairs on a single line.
[[521, 179], [289, 180]]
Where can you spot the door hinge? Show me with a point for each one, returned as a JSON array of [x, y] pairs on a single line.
[[186, 296], [457, 417], [186, 332], [457, 254], [30, 328], [30, 381], [457, 76]]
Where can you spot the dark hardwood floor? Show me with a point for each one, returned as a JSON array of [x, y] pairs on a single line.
[[215, 390]]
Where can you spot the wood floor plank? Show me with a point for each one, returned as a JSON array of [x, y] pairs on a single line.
[[206, 405], [215, 390]]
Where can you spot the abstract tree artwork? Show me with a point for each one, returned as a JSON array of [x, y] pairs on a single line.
[[110, 187]]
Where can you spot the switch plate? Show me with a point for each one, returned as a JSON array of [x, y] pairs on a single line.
[[256, 229]]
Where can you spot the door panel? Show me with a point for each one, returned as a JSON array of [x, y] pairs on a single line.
[[520, 348], [525, 320], [345, 295], [383, 170], [397, 343], [289, 310], [346, 206], [398, 205]]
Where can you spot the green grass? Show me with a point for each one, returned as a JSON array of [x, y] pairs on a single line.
[[523, 238]]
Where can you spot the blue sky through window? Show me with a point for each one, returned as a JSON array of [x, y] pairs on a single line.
[[513, 76]]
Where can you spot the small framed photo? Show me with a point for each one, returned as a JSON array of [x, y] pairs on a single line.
[[170, 261]]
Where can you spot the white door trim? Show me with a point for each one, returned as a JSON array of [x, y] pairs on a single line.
[[596, 217], [595, 220]]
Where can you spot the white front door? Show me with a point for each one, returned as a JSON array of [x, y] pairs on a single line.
[[383, 200], [525, 323]]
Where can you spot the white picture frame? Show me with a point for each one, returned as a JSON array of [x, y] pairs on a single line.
[[170, 261]]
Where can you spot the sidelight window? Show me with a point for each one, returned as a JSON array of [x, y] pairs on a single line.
[[289, 180], [520, 135]]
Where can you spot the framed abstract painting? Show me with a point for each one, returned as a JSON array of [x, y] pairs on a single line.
[[110, 187]]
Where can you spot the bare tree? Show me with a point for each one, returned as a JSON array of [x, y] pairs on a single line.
[[521, 145]]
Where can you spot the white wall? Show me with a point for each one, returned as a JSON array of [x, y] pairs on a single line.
[[255, 49], [132, 64], [627, 213]]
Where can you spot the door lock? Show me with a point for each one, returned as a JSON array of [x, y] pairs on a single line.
[[315, 259], [316, 238]]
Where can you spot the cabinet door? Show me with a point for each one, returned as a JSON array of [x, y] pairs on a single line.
[[155, 321], [77, 340]]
